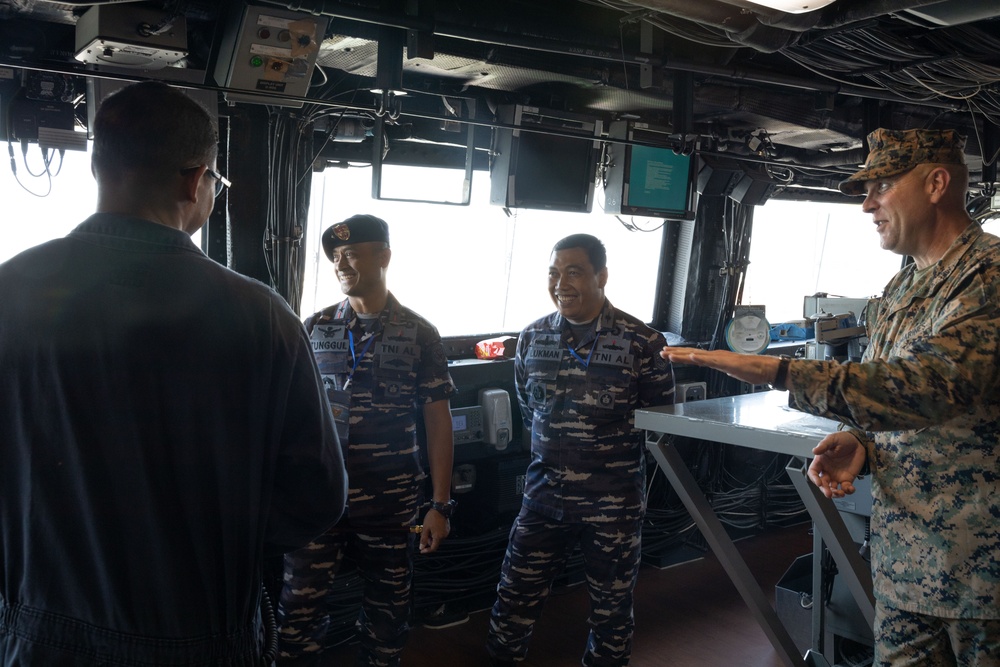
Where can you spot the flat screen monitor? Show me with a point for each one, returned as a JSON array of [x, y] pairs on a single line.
[[657, 182], [553, 173], [541, 169], [659, 179], [645, 179]]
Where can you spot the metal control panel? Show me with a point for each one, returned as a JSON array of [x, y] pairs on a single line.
[[274, 51], [467, 424]]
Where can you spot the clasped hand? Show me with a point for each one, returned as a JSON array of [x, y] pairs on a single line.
[[436, 529], [838, 459]]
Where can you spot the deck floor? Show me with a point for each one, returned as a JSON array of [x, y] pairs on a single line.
[[688, 615]]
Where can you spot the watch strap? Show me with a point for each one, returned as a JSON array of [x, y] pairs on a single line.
[[445, 509]]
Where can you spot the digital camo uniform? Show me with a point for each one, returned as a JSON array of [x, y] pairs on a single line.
[[893, 152], [377, 382], [930, 416], [586, 478]]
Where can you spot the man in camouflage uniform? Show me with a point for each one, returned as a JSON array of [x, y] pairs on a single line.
[[579, 374], [383, 366], [923, 408]]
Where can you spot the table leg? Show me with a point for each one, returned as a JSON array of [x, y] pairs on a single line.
[[818, 588], [850, 565], [715, 534]]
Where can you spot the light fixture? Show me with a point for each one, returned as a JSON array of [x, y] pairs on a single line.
[[793, 6], [124, 37]]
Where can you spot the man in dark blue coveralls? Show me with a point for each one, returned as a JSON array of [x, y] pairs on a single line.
[[579, 374], [163, 425], [383, 366]]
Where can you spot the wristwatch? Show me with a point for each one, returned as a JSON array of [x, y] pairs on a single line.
[[444, 509], [781, 377]]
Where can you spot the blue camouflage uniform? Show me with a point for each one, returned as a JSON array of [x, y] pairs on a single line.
[[928, 409], [378, 379], [585, 483]]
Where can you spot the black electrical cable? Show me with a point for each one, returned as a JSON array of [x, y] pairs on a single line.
[[923, 70], [270, 629]]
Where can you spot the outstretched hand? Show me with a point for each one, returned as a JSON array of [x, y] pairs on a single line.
[[839, 458], [752, 368]]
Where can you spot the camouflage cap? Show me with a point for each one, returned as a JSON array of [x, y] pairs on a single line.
[[361, 228], [896, 151]]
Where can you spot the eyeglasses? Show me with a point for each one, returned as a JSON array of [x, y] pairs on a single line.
[[221, 182]]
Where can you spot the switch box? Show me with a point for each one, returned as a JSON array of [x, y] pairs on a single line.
[[271, 50], [685, 392]]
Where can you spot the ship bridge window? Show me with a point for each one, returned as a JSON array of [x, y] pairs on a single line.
[[43, 204], [474, 269], [801, 248]]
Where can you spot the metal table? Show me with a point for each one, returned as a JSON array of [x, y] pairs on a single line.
[[760, 421]]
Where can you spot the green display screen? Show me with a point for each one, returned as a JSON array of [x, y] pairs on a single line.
[[658, 179]]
